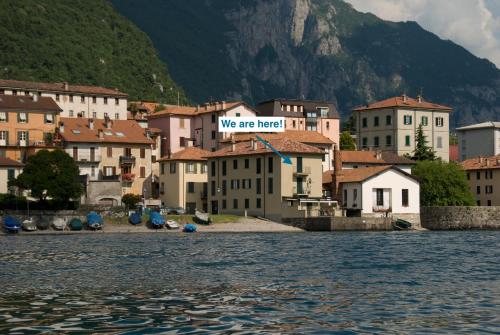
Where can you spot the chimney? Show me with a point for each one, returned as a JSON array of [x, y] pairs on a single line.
[[35, 97], [101, 134], [253, 144], [61, 127], [233, 143], [197, 108], [404, 97], [66, 86], [419, 98], [206, 105], [487, 162], [223, 105], [378, 155], [91, 123], [107, 122]]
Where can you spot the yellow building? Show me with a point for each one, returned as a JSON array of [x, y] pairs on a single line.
[[27, 124], [183, 179], [247, 177], [483, 175]]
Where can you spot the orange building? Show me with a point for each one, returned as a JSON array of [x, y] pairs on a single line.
[[27, 124]]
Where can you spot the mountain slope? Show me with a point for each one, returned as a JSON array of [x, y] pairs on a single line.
[[319, 49], [82, 42]]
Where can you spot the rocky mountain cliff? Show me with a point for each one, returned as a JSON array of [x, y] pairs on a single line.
[[317, 49]]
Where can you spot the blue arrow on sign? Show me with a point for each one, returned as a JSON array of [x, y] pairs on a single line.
[[286, 159]]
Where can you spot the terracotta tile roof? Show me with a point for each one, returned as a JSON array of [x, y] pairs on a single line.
[[401, 103], [303, 136], [7, 162], [188, 154], [360, 174], [26, 103], [145, 106], [283, 145], [370, 157], [481, 163], [121, 131], [60, 87], [194, 110]]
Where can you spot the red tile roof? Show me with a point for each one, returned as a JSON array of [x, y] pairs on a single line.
[[188, 154], [283, 145], [27, 103], [192, 110], [121, 131], [60, 87], [7, 162], [373, 157], [401, 102], [481, 163], [303, 136], [360, 174]]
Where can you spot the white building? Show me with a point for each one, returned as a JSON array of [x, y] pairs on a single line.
[[9, 170], [74, 100], [482, 139], [379, 189]]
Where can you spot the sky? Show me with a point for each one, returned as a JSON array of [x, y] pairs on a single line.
[[473, 24]]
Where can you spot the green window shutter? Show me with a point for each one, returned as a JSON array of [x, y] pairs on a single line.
[[27, 133], [10, 174]]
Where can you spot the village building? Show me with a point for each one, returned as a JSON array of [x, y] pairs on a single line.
[[483, 176], [74, 100], [248, 178], [391, 125], [187, 126], [356, 159], [318, 116], [114, 157], [9, 170], [183, 179], [482, 139], [27, 124]]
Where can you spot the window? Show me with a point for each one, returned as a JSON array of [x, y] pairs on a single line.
[[162, 188], [190, 167], [82, 114], [212, 168], [57, 97], [143, 171], [345, 197], [162, 168], [468, 176], [22, 117], [238, 114], [376, 141], [388, 120], [143, 153], [213, 134], [82, 99], [224, 168], [75, 153], [258, 166], [294, 123], [71, 113], [439, 142], [204, 167], [247, 163], [424, 121], [3, 116], [11, 174], [407, 140], [407, 119], [127, 152], [327, 125], [214, 117], [270, 165], [117, 116], [117, 101], [94, 115], [224, 187], [109, 151], [388, 141], [299, 164], [105, 100], [190, 187], [489, 202], [257, 203], [181, 123], [14, 92], [243, 183], [365, 142], [478, 189], [247, 203], [92, 154], [375, 121], [235, 164], [258, 186], [478, 175], [94, 100], [224, 204], [235, 203], [365, 122], [49, 118], [270, 185], [4, 137], [488, 189], [71, 98], [249, 183], [439, 122], [212, 187], [380, 196], [404, 197], [173, 167], [479, 202], [105, 115]]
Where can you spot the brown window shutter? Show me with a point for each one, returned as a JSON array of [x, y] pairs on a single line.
[[114, 170]]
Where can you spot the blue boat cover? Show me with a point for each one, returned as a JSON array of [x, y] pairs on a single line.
[[135, 218], [94, 218], [156, 219], [190, 228], [11, 223]]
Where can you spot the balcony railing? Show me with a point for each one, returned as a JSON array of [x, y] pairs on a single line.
[[127, 160], [303, 171], [299, 191], [88, 160]]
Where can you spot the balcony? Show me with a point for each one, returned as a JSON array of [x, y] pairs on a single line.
[[128, 177], [302, 171], [88, 160], [300, 191], [127, 160]]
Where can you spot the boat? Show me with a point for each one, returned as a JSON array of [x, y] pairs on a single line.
[[59, 224], [76, 224], [11, 224], [94, 221], [189, 228], [43, 223], [401, 224], [29, 224], [156, 220], [135, 218], [202, 218], [171, 224]]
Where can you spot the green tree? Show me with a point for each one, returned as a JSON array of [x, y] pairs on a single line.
[[442, 184], [50, 174], [346, 141], [422, 152], [130, 200]]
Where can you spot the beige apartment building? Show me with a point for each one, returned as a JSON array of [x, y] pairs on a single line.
[[74, 100], [183, 179], [114, 157], [483, 175], [391, 125], [249, 178]]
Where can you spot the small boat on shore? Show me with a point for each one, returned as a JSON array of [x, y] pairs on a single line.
[[202, 218], [43, 223], [189, 228], [156, 220], [135, 218], [59, 224], [76, 224], [94, 221], [401, 224], [11, 224], [171, 224], [29, 225]]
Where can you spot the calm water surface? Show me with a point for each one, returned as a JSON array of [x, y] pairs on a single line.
[[305, 283]]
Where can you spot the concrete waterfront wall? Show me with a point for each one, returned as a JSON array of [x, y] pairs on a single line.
[[339, 223], [460, 217], [81, 213]]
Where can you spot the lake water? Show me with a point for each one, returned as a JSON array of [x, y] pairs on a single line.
[[293, 283]]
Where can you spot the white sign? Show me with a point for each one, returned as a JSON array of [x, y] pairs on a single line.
[[248, 124]]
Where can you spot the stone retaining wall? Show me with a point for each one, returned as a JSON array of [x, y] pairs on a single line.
[[339, 223], [460, 217]]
